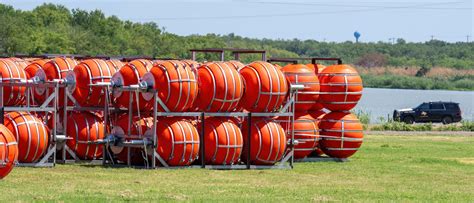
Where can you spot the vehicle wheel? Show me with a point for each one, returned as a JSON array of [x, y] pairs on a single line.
[[447, 120], [408, 120]]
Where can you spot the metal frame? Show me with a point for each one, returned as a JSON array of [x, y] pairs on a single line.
[[49, 158], [312, 59], [236, 52]]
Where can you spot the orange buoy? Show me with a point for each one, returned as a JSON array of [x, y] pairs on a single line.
[[31, 134], [137, 132], [318, 115], [317, 106], [267, 141], [265, 87], [82, 129], [178, 141], [115, 63], [33, 67], [341, 134], [8, 151], [176, 85], [55, 69], [306, 133], [20, 62], [223, 141], [221, 87], [299, 74], [11, 72], [130, 74], [341, 87], [87, 73], [193, 64], [237, 65]]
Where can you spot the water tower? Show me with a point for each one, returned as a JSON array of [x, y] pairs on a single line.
[[357, 35]]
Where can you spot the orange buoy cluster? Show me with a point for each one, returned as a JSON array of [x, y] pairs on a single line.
[[180, 86], [323, 109]]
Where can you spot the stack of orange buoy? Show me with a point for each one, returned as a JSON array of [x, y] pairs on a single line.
[[341, 131], [265, 91]]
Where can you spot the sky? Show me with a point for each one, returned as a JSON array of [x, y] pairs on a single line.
[[322, 20]]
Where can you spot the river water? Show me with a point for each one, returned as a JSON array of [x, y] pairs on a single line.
[[381, 102]]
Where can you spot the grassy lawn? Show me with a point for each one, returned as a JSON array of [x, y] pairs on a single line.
[[418, 168]]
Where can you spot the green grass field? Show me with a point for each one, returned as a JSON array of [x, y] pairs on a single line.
[[388, 167]]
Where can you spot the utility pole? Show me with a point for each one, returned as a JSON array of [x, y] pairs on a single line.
[[432, 37], [467, 38]]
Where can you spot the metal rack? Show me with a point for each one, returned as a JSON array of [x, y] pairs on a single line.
[[49, 158], [234, 51]]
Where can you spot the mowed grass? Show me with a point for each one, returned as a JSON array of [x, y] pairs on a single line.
[[418, 168]]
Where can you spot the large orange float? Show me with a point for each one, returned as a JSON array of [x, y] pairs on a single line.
[[87, 73], [11, 72], [84, 128], [267, 141], [31, 134], [237, 65], [341, 87], [223, 141], [221, 87], [318, 115], [265, 87], [115, 63], [8, 151], [317, 68], [306, 133], [137, 132], [341, 134], [34, 66], [178, 141], [176, 84], [55, 69], [130, 74], [192, 64], [299, 74]]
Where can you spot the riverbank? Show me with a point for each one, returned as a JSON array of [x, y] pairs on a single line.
[[437, 78]]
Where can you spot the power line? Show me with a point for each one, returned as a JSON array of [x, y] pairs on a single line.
[[292, 14], [361, 6]]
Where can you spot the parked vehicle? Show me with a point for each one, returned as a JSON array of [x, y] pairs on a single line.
[[445, 112]]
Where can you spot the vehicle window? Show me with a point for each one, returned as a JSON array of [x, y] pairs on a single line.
[[437, 106], [424, 106], [451, 106]]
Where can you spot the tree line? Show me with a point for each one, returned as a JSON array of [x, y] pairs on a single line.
[[51, 28]]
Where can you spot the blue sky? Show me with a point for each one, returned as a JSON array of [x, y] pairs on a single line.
[[329, 20]]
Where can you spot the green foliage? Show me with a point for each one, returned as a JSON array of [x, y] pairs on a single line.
[[411, 82], [400, 126], [364, 117]]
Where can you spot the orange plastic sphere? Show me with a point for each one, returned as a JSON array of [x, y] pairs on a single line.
[[178, 141], [131, 74], [31, 134], [265, 87], [8, 151], [341, 134], [267, 141], [223, 141], [306, 133], [341, 87], [83, 128], [89, 72], [176, 84], [11, 72], [298, 74], [221, 87], [137, 132]]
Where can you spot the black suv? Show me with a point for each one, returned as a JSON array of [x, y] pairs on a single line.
[[445, 112]]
